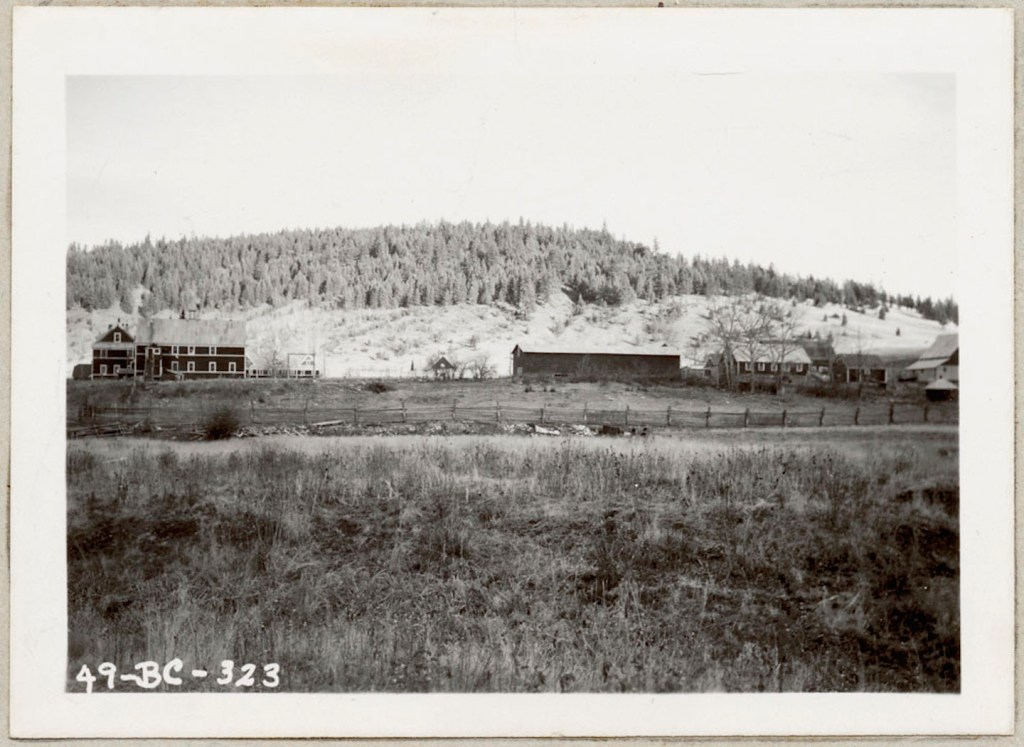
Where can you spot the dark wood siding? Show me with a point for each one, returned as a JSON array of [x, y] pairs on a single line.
[[168, 364], [110, 358], [584, 365]]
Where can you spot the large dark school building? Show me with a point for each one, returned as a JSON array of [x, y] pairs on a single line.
[[190, 349]]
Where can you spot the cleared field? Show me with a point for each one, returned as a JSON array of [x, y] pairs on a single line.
[[516, 564], [255, 402]]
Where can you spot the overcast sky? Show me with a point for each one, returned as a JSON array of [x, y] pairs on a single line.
[[838, 175]]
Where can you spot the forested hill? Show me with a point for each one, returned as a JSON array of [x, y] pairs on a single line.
[[429, 264]]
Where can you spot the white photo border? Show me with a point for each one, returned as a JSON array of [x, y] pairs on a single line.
[[52, 43]]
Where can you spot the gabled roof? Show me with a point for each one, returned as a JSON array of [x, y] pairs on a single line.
[[944, 348], [207, 332], [818, 350], [441, 364], [598, 350], [862, 360], [107, 338], [771, 355]]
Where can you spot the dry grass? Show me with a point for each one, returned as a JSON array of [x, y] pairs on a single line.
[[518, 565]]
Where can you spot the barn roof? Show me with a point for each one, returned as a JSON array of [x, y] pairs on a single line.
[[441, 364], [192, 332], [897, 357], [944, 347], [599, 350]]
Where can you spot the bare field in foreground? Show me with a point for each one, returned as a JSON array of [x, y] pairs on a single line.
[[817, 561], [329, 394]]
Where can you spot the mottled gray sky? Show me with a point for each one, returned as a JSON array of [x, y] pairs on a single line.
[[846, 175]]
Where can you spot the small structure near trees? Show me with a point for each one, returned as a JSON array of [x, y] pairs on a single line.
[[942, 390], [442, 368]]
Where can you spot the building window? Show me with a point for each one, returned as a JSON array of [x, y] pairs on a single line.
[[191, 349], [117, 337], [174, 366], [213, 350], [760, 366], [232, 368], [775, 367], [191, 366], [212, 367], [117, 370], [103, 370], [174, 349]]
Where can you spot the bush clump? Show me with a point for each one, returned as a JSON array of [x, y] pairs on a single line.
[[222, 423], [379, 387]]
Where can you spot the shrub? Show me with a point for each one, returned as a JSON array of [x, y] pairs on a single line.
[[379, 387], [222, 423]]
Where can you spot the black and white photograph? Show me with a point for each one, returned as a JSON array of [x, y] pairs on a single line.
[[506, 352]]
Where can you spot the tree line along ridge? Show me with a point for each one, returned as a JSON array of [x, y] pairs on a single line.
[[442, 264]]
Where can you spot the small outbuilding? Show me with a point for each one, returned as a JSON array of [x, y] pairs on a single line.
[[302, 366], [942, 390], [442, 368], [822, 355], [862, 368]]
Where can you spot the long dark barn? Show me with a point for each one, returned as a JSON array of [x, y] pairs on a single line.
[[611, 362]]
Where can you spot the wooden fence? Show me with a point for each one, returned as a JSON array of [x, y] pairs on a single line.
[[96, 421]]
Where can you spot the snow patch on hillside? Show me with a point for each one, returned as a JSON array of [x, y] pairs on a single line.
[[399, 342]]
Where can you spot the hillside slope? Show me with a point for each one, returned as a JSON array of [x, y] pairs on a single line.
[[398, 342]]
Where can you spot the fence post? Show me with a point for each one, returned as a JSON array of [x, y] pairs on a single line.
[[542, 413], [784, 412], [926, 412], [405, 417], [746, 417], [821, 417], [355, 415], [856, 416], [455, 403], [892, 408], [497, 412], [627, 414], [252, 412], [668, 416], [707, 418], [584, 413]]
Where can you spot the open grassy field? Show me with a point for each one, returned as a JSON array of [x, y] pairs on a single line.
[[333, 393], [284, 402], [822, 560]]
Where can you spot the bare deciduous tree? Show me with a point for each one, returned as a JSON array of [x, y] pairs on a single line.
[[754, 327], [481, 368]]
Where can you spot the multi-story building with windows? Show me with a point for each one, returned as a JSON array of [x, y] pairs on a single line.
[[190, 349], [113, 354]]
